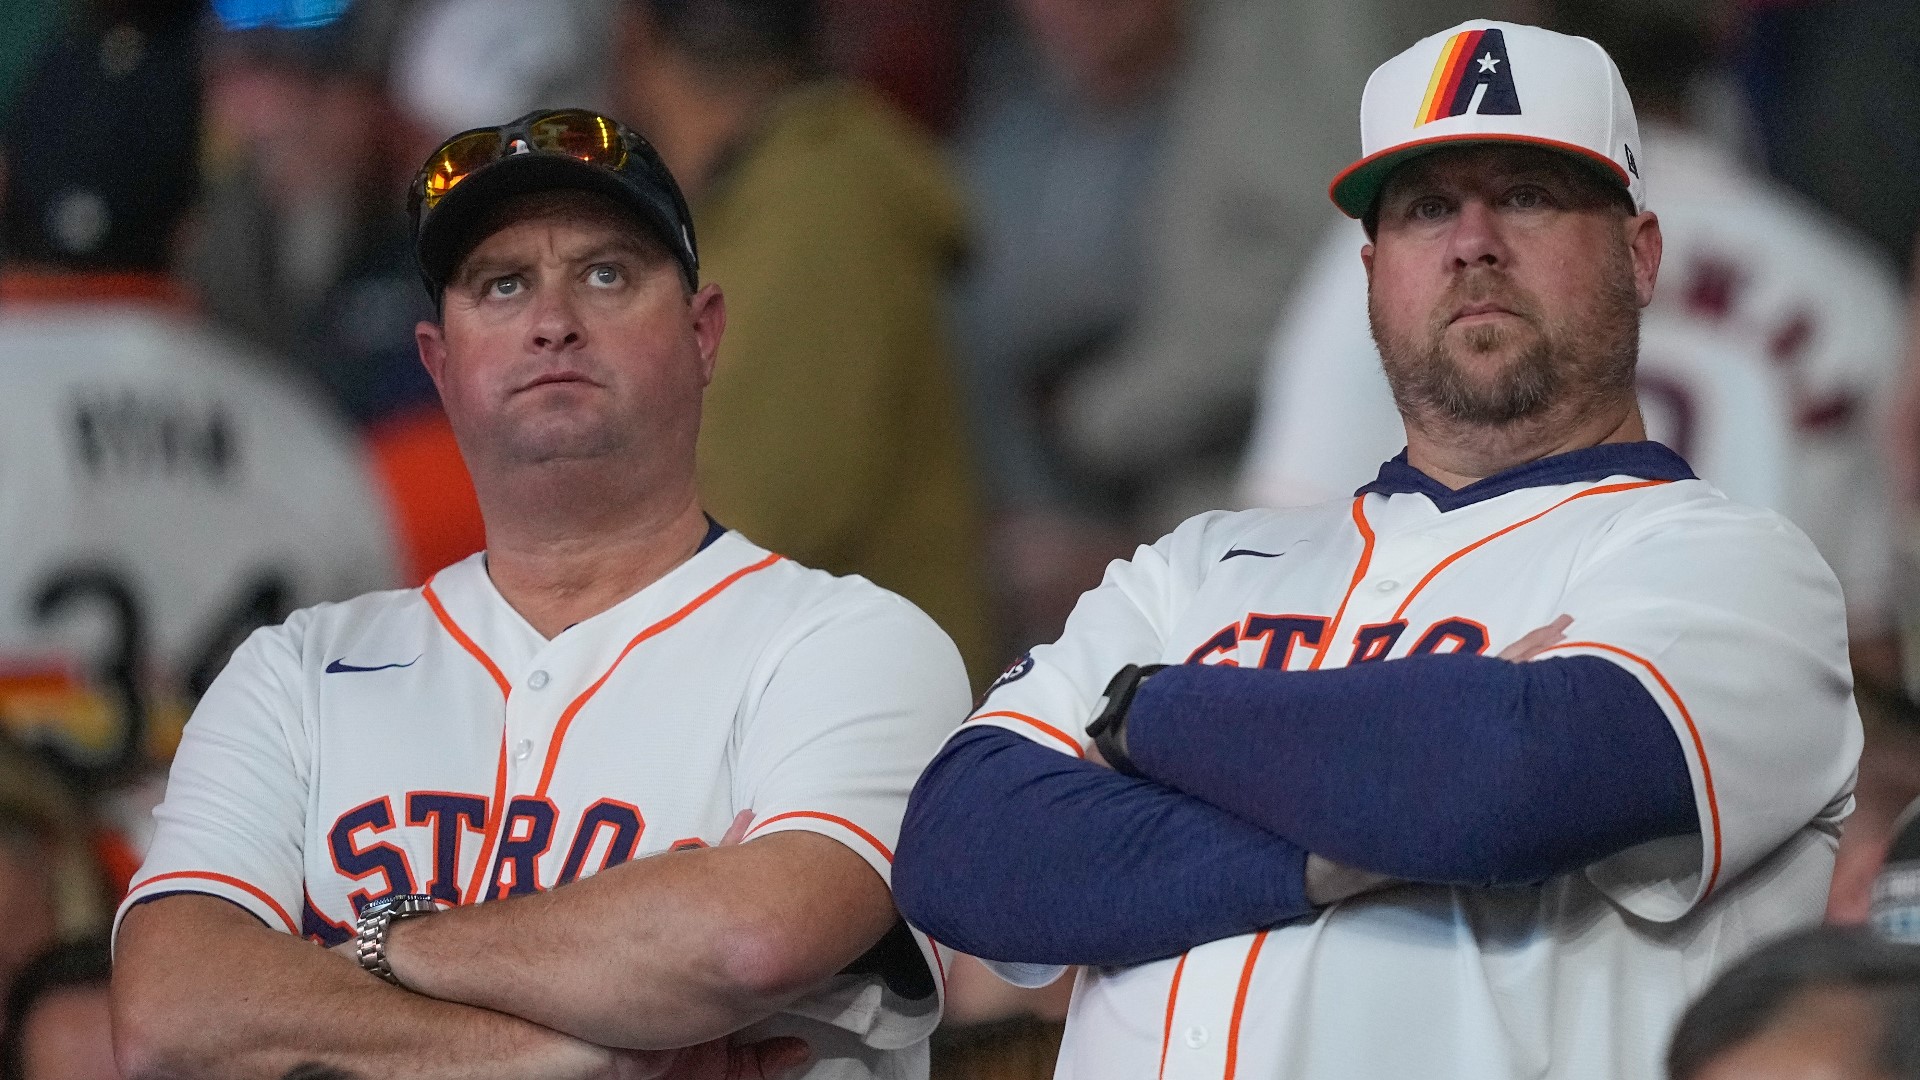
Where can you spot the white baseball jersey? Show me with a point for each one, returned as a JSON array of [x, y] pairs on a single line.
[[1765, 358], [161, 495], [1725, 614], [431, 741]]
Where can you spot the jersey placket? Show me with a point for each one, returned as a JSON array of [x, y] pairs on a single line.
[[551, 680], [1404, 549], [1206, 1009]]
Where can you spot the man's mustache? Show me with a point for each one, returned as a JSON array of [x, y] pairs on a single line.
[[1484, 287]]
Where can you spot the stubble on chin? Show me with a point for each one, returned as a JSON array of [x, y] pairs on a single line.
[[1525, 370]]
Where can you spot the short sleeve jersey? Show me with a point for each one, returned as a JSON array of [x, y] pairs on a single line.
[[162, 494], [1765, 359], [431, 741], [1725, 614]]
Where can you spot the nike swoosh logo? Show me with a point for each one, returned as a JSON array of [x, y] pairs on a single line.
[[1253, 553], [339, 666]]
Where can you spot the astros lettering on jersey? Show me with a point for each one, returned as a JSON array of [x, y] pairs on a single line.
[[431, 741], [1746, 656]]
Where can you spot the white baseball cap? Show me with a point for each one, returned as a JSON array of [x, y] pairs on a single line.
[[1494, 82]]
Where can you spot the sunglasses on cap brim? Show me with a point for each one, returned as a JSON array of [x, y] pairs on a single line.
[[575, 133]]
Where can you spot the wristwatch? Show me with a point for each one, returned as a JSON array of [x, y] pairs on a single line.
[[1109, 729], [370, 942]]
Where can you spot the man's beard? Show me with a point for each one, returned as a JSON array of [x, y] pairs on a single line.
[[1560, 365]]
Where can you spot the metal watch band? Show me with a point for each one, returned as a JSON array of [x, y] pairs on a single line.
[[370, 940]]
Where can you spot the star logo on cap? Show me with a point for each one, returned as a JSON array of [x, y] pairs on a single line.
[[1489, 64]]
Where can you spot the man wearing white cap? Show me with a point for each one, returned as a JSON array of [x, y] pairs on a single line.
[[1481, 773]]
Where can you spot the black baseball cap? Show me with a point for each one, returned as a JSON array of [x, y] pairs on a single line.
[[474, 172]]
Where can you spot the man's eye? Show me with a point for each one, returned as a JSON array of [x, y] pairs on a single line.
[[1428, 209], [604, 275], [1527, 198], [503, 287]]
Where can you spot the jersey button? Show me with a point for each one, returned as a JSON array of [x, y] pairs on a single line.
[[1196, 1036], [1387, 586], [522, 749], [537, 680]]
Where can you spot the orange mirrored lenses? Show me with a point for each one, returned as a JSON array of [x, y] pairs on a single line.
[[584, 135], [587, 136], [460, 158]]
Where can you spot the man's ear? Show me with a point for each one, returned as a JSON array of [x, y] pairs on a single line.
[[708, 309], [1366, 260], [431, 340], [1645, 243]]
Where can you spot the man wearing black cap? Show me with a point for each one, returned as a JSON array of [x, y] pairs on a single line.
[[616, 676]]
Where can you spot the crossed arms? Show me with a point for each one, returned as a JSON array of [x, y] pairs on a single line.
[[1266, 794], [668, 951]]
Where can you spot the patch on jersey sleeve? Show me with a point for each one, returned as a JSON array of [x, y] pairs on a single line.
[[1018, 671]]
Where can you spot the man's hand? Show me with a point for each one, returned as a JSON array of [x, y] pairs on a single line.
[[1538, 641]]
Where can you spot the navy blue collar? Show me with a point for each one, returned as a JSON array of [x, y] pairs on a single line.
[[715, 531], [1646, 460]]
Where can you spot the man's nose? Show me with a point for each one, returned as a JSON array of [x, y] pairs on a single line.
[[556, 323], [1476, 238]]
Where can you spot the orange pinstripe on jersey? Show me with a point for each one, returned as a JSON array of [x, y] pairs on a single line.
[[1240, 1003], [1359, 574], [1699, 744], [668, 623], [1606, 489], [206, 875], [1173, 997], [885, 852], [939, 965], [467, 643], [491, 834], [1067, 740]]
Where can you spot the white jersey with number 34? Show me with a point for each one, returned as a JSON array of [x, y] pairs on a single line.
[[161, 495]]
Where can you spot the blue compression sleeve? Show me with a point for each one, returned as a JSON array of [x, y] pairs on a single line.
[[1453, 769], [1012, 851]]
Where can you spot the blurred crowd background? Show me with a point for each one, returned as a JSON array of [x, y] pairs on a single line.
[[1013, 286]]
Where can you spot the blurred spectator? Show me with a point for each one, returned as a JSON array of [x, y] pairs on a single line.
[[1828, 1003], [832, 430], [462, 64], [1888, 783], [50, 883], [58, 1022], [301, 242], [162, 492], [1895, 911], [1765, 358], [1259, 124], [1901, 450], [909, 50], [1059, 144], [1839, 85], [302, 246]]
